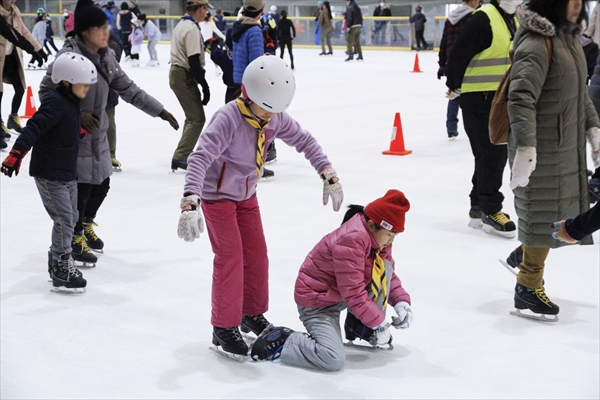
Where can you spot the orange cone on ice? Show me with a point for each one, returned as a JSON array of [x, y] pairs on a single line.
[[30, 108], [397, 143], [416, 67]]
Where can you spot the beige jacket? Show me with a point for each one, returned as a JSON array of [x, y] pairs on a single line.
[[593, 30]]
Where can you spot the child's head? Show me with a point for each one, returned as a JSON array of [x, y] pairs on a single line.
[[142, 19], [135, 23], [74, 72], [268, 85], [385, 216], [253, 8]]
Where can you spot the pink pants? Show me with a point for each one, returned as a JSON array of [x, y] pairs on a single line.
[[240, 283]]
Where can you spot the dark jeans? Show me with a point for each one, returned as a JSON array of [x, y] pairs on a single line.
[[490, 159], [89, 200], [125, 43], [452, 115], [419, 39], [50, 41]]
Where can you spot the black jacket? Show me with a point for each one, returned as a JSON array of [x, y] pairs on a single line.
[[353, 15], [53, 132], [286, 29]]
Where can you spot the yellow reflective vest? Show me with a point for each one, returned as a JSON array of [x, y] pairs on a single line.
[[487, 68]]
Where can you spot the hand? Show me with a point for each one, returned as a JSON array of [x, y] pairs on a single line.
[[42, 54], [167, 116], [405, 315], [452, 94], [37, 57], [332, 187], [12, 163], [522, 167], [191, 223], [205, 94], [560, 232], [593, 136], [89, 122], [381, 336], [441, 72]]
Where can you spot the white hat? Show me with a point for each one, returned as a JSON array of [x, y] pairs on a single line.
[[269, 82]]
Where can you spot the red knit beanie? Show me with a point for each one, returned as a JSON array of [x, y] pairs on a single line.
[[388, 211]]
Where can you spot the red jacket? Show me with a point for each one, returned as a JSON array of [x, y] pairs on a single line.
[[339, 269]]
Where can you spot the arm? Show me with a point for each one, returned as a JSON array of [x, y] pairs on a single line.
[[11, 34], [118, 22], [217, 32], [443, 46], [43, 120], [293, 29], [130, 92]]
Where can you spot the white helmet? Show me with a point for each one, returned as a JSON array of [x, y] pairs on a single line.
[[74, 68], [269, 82]]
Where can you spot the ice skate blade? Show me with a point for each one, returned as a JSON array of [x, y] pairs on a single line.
[[368, 347], [66, 290], [507, 235], [269, 179], [235, 357], [508, 267], [270, 162], [117, 169], [475, 223], [85, 264], [99, 251], [537, 317]]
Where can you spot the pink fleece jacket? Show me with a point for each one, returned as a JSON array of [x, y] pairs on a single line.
[[339, 269]]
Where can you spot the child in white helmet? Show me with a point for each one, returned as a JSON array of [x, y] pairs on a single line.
[[54, 132], [221, 178]]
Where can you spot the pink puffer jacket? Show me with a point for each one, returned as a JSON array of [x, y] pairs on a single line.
[[339, 269]]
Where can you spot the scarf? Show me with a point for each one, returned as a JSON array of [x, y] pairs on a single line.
[[379, 283], [260, 130]]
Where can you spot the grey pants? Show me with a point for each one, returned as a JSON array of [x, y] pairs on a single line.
[[60, 200], [323, 347], [152, 49], [186, 90]]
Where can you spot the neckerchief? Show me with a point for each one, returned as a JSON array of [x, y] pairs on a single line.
[[260, 130], [379, 282]]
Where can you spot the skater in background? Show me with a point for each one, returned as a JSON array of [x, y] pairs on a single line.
[[223, 57], [209, 30], [124, 18], [54, 132], [380, 28], [133, 7], [452, 28], [39, 34], [109, 9], [90, 38], [548, 101], [593, 29], [68, 21], [153, 35], [221, 179], [325, 19], [11, 64], [186, 73], [419, 20], [286, 33], [351, 267], [136, 39], [220, 21], [353, 21], [269, 26], [49, 35]]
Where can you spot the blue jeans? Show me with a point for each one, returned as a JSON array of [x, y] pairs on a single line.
[[452, 115]]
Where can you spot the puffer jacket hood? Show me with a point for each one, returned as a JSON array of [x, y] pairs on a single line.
[[534, 22]]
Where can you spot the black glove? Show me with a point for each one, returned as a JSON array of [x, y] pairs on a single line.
[[89, 122], [441, 72], [167, 116], [12, 163], [205, 94], [42, 54]]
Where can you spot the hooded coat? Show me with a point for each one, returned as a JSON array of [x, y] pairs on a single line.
[[549, 109]]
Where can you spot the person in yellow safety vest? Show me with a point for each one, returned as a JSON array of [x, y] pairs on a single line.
[[478, 60]]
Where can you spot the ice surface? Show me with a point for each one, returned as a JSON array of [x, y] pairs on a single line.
[[143, 329]]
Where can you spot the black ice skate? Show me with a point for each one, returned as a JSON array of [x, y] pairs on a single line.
[[65, 277], [93, 241], [355, 329], [14, 124], [452, 135], [255, 324], [267, 175], [268, 346], [271, 154], [536, 301], [475, 215], [499, 224], [82, 254], [229, 342], [514, 260], [181, 164]]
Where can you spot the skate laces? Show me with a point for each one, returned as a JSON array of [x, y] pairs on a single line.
[[17, 119], [80, 240], [89, 229], [4, 127], [69, 267], [541, 294], [500, 218]]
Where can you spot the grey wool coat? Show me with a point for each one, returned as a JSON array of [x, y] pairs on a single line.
[[549, 109], [93, 161]]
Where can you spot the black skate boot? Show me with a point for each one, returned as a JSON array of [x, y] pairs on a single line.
[[271, 154], [354, 328], [536, 301], [181, 164], [475, 215], [229, 342], [267, 175], [350, 57], [499, 224], [82, 253], [269, 345], [360, 57], [14, 124], [3, 144], [255, 323], [515, 258], [93, 241], [452, 135], [65, 277]]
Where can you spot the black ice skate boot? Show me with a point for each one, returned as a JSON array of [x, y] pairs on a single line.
[[269, 345], [255, 323], [267, 175], [65, 277], [181, 164], [475, 215], [230, 343], [354, 328], [14, 124], [536, 301], [499, 224], [82, 253], [516, 257], [271, 154], [7, 135], [93, 241]]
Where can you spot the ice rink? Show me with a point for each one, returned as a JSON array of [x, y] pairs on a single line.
[[142, 329]]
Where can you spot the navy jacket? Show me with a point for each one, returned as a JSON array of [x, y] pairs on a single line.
[[53, 132]]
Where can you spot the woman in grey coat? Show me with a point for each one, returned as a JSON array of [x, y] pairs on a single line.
[[94, 167], [550, 115]]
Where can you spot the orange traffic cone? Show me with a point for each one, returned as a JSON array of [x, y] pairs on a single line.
[[30, 108], [397, 143], [416, 67]]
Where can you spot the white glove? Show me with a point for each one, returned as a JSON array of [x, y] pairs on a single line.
[[452, 94], [381, 335], [593, 137], [191, 224], [523, 166], [332, 187], [405, 315]]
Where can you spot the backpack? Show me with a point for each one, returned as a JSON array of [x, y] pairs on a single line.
[[499, 125]]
